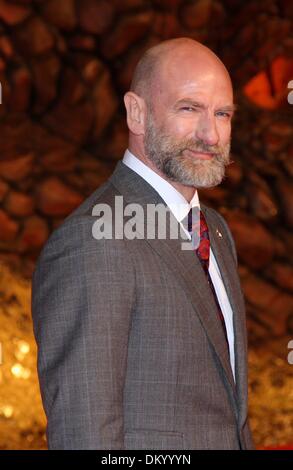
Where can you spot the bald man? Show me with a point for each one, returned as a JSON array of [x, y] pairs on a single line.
[[141, 329]]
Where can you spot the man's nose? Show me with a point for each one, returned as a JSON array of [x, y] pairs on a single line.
[[207, 130]]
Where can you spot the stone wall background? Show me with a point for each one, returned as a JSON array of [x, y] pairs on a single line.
[[64, 66]]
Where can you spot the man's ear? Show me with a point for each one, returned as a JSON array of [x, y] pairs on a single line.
[[136, 112]]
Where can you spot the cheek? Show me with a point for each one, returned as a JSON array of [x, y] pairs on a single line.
[[224, 130], [181, 127]]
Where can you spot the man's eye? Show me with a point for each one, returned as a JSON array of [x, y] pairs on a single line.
[[187, 108], [223, 114]]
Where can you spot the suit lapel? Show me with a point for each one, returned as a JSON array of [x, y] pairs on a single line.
[[230, 277]]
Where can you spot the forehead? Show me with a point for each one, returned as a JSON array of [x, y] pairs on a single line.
[[197, 78]]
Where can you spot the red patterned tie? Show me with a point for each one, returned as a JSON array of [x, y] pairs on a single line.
[[198, 228]]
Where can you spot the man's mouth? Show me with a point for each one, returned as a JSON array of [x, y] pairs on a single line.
[[199, 154]]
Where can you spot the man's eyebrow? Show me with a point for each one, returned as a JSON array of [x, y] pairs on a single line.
[[231, 107], [198, 104], [190, 102]]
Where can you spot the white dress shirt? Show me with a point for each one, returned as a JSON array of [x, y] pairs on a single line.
[[180, 208]]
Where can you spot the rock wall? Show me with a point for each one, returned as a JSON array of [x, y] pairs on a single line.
[[64, 66]]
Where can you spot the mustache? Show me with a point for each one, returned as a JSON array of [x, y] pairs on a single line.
[[200, 146]]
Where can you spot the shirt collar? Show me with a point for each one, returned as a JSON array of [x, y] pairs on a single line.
[[173, 198]]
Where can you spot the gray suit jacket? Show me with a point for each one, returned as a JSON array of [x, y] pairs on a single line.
[[131, 353]]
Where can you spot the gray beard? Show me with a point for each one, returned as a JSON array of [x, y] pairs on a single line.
[[167, 156]]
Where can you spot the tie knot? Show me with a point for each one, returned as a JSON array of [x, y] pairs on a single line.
[[204, 230], [198, 229], [203, 250]]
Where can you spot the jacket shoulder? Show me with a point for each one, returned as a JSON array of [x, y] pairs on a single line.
[[76, 227]]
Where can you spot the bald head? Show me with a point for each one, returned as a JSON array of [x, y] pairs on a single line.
[[173, 55]]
